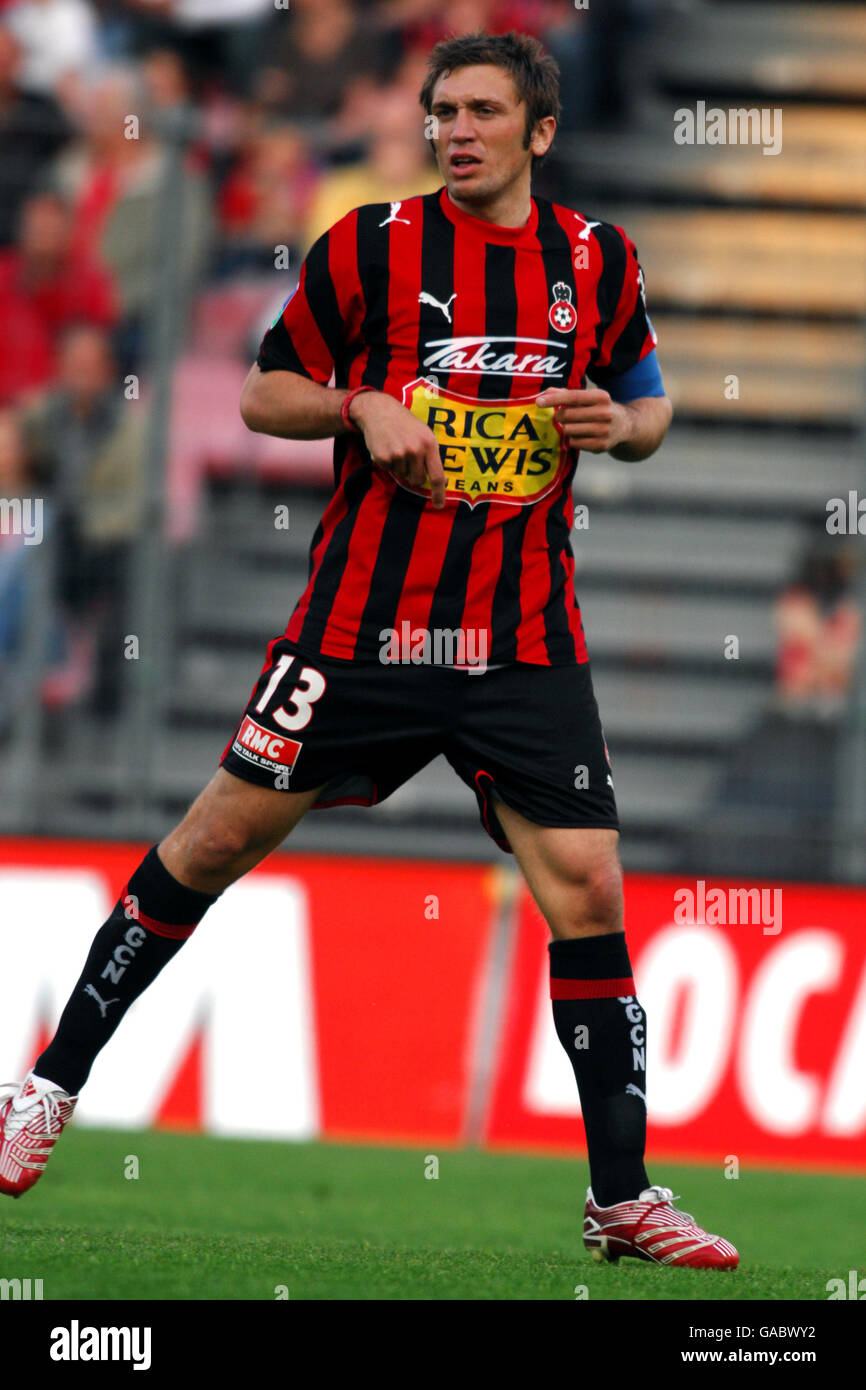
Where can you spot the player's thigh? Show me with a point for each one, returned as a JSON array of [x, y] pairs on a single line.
[[230, 827], [573, 873]]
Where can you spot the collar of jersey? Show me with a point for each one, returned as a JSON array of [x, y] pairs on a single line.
[[490, 231]]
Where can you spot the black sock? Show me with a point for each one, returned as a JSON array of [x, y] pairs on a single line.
[[152, 918], [602, 1027]]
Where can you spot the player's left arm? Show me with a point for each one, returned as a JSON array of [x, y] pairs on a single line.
[[626, 412], [591, 419]]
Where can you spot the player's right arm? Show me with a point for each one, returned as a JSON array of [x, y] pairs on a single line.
[[287, 393], [291, 406]]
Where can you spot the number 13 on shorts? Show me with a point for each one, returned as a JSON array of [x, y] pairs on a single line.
[[311, 687]]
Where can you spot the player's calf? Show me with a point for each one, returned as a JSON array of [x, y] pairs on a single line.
[[229, 829], [602, 1027], [152, 918]]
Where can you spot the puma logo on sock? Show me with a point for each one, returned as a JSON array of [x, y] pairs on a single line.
[[103, 1003]]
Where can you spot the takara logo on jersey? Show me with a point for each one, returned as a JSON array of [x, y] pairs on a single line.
[[260, 746], [504, 451], [499, 356]]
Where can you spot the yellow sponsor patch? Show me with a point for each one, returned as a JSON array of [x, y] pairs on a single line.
[[503, 451]]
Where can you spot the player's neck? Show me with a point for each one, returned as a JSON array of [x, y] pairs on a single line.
[[511, 208]]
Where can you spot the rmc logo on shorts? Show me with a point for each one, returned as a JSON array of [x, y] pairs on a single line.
[[260, 746]]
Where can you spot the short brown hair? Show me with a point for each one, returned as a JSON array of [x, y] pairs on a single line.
[[534, 72]]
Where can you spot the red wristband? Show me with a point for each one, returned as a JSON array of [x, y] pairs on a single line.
[[344, 408]]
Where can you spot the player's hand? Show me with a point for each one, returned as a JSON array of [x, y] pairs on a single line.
[[399, 442], [589, 419]]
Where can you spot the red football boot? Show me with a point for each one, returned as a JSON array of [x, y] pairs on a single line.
[[651, 1228], [32, 1117]]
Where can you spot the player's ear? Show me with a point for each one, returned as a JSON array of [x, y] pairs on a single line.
[[542, 136]]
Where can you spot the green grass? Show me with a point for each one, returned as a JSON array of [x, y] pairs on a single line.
[[224, 1219]]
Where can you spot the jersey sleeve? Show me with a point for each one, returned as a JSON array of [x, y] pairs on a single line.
[[309, 334], [625, 332]]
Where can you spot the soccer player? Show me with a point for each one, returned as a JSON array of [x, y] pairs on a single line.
[[439, 617]]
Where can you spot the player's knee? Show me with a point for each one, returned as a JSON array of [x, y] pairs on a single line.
[[214, 845], [599, 894]]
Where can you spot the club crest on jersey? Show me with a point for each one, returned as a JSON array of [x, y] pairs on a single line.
[[562, 316]]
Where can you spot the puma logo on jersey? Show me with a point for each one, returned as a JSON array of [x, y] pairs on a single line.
[[392, 216], [425, 298], [632, 1090], [584, 235], [103, 1003]]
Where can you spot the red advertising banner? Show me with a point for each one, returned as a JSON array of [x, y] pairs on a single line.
[[353, 999], [756, 1025], [399, 952], [319, 996]]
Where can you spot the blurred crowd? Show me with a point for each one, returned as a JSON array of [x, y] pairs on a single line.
[[295, 112], [289, 113], [819, 624]]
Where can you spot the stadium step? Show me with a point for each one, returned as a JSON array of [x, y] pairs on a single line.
[[770, 49], [632, 624], [822, 165], [659, 709], [786, 472], [798, 372], [274, 524], [233, 600], [664, 628], [633, 545], [797, 263]]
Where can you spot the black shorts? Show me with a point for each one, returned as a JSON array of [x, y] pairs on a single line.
[[527, 735]]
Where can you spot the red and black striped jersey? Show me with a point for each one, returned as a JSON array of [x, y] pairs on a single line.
[[466, 323]]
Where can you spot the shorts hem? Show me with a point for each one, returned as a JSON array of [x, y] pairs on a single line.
[[494, 829]]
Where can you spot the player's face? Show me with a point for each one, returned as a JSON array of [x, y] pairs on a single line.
[[481, 127]]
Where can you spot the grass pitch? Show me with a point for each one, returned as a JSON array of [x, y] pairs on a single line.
[[215, 1218]]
